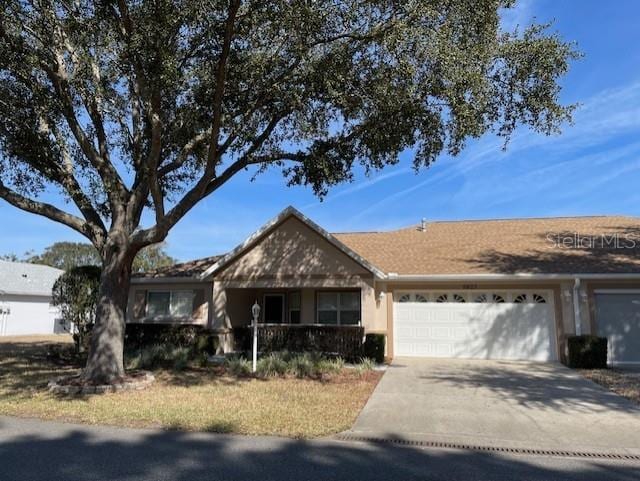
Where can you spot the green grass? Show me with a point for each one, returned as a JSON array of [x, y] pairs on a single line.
[[197, 399]]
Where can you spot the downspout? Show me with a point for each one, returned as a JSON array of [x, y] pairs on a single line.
[[576, 306]]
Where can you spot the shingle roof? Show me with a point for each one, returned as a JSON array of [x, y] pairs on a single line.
[[505, 246], [184, 269], [28, 279]]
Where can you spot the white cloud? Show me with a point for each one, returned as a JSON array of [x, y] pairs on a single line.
[[602, 118]]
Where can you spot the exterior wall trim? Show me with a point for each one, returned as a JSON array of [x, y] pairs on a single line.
[[505, 277], [165, 280], [616, 291]]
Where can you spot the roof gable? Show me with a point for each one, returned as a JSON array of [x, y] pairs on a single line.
[[291, 240]]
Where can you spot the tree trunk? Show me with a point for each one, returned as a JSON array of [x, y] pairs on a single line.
[[105, 362]]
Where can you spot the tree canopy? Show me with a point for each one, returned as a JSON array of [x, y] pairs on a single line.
[[127, 104], [134, 107], [67, 255]]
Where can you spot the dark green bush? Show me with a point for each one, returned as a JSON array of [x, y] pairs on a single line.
[[141, 336], [587, 352], [75, 293], [374, 347]]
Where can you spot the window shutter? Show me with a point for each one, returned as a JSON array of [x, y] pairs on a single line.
[[139, 304]]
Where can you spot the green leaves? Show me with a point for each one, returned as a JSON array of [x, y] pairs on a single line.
[[129, 87]]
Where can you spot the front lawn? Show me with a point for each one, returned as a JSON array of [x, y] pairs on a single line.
[[199, 399], [624, 383]]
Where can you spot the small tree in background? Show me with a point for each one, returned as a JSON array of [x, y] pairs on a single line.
[[67, 255], [76, 294]]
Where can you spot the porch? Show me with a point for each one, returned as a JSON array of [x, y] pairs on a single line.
[[295, 306]]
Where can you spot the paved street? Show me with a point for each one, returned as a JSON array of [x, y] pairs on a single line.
[[43, 451]]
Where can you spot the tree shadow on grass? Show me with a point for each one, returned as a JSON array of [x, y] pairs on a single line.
[[70, 453], [27, 367]]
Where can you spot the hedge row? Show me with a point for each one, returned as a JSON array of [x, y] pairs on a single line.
[[343, 341], [140, 336]]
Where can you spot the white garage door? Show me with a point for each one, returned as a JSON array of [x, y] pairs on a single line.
[[475, 324], [618, 319]]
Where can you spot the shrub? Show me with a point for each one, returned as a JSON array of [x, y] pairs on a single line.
[[330, 366], [238, 366], [150, 357], [302, 366], [374, 347], [138, 336], [196, 338], [75, 293], [587, 352], [180, 358], [365, 365], [160, 355], [272, 365]]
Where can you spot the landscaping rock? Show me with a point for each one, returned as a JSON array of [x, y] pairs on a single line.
[[72, 385]]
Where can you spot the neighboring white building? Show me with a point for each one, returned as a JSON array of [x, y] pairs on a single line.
[[25, 299]]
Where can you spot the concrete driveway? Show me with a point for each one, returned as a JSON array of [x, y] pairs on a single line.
[[498, 403]]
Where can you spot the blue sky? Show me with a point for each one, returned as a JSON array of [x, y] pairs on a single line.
[[592, 168]]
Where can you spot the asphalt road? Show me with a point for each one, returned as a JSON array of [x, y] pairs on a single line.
[[34, 450]]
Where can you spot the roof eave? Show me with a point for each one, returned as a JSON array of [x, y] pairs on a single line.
[[393, 277], [163, 280]]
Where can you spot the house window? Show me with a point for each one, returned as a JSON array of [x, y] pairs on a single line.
[[339, 308], [169, 303], [481, 298], [405, 298], [442, 298], [294, 307], [539, 299], [520, 299], [498, 299]]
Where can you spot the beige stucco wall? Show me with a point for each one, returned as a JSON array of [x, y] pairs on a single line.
[[292, 256], [202, 302], [292, 250]]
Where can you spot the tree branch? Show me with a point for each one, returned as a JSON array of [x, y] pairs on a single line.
[[47, 210], [220, 84]]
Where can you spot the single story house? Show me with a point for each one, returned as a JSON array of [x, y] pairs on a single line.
[[490, 289], [25, 299]]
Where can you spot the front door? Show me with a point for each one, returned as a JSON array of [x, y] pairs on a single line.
[[274, 308]]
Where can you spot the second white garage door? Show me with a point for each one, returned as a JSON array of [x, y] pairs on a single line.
[[475, 324]]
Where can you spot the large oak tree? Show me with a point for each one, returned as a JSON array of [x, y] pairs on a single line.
[[127, 106]]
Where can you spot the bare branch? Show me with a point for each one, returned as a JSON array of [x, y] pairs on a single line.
[[47, 210]]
